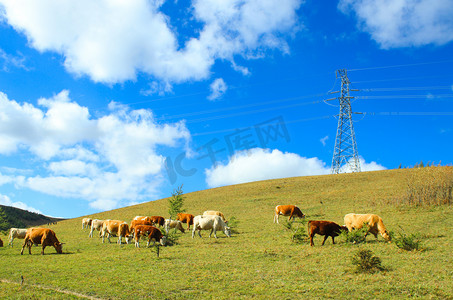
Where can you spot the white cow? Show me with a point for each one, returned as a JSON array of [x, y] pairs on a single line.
[[212, 223], [96, 225], [86, 222], [176, 224], [16, 233]]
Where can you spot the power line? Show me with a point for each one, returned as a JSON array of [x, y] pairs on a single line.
[[248, 127], [399, 66], [241, 107], [413, 88]]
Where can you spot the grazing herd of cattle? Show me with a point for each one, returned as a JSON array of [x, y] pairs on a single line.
[[147, 227]]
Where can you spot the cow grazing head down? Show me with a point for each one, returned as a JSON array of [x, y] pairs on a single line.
[[163, 240], [227, 231], [59, 247]]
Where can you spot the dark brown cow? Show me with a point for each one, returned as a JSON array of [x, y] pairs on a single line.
[[44, 236], [1, 243], [325, 228], [152, 232], [287, 210], [158, 220], [185, 218]]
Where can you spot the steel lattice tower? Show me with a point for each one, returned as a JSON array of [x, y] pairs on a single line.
[[345, 152]]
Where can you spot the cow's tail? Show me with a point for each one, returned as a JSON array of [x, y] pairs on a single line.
[[382, 230]]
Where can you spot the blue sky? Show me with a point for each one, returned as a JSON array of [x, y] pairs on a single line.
[[105, 104]]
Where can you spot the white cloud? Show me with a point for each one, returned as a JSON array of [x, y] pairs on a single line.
[[5, 200], [113, 41], [324, 140], [261, 164], [8, 60], [364, 166], [403, 23], [218, 88], [113, 159]]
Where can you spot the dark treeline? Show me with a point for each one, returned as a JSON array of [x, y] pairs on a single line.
[[15, 217]]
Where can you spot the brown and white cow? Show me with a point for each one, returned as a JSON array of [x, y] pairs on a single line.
[[135, 222], [158, 220], [16, 233], [212, 223], [325, 228], [374, 224], [177, 225], [86, 222], [115, 228], [43, 236], [287, 210], [185, 218], [215, 213], [96, 225], [143, 218], [151, 232]]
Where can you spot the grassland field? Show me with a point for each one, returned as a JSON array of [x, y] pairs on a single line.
[[259, 261]]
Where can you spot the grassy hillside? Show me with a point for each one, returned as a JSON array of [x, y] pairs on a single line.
[[16, 217], [260, 260]]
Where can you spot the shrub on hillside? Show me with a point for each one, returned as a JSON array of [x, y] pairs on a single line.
[[356, 236], [365, 262], [298, 230], [406, 242]]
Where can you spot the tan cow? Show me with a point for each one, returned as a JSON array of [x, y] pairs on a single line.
[[16, 233], [169, 223], [287, 210], [96, 225], [115, 228], [44, 236], [86, 222], [374, 223], [215, 213]]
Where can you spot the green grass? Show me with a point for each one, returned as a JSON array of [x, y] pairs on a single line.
[[260, 260]]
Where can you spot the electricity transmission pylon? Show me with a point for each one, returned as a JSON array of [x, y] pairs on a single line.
[[345, 155]]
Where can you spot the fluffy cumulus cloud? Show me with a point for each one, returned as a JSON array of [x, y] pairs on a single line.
[[112, 41], [261, 164], [403, 23], [110, 161], [218, 88]]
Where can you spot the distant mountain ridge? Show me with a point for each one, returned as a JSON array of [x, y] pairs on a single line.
[[16, 217]]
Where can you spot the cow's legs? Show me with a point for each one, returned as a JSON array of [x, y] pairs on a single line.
[[325, 238], [23, 247], [333, 240]]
